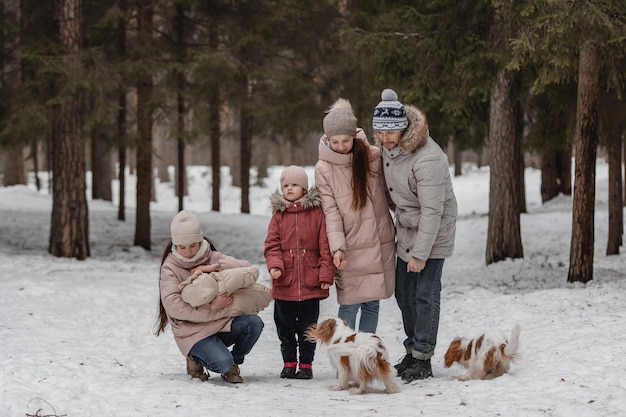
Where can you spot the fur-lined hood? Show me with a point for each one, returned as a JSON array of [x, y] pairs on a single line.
[[416, 134], [310, 200]]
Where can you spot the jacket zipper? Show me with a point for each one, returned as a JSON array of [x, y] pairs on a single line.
[[297, 257]]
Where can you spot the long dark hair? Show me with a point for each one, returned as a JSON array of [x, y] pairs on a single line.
[[361, 172], [162, 316]]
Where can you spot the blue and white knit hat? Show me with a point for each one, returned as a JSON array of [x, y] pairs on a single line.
[[390, 114]]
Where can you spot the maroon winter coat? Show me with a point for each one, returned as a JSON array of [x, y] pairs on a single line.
[[297, 244]]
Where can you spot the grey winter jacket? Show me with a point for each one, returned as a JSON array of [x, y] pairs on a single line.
[[418, 180]]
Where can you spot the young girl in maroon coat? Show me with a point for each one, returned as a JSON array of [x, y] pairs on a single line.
[[301, 266]]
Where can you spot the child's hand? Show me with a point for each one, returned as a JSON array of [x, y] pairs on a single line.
[[325, 285], [275, 273]]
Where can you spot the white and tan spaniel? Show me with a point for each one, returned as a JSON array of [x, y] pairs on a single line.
[[359, 358], [486, 357]]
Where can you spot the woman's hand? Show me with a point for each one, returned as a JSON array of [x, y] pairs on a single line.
[[221, 301], [325, 285], [199, 270], [339, 260]]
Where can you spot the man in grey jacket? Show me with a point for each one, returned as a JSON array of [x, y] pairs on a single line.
[[418, 180]]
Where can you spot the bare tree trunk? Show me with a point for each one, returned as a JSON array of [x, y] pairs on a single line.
[[616, 216], [612, 126], [101, 174], [246, 155], [521, 164], [458, 160], [564, 169], [69, 228], [14, 168], [549, 176], [145, 180], [581, 250], [121, 116], [34, 149], [214, 128], [504, 238], [503, 234], [181, 170]]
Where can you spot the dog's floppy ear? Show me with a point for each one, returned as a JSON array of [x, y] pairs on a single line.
[[454, 353]]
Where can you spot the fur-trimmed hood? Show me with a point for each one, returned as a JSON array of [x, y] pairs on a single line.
[[310, 200], [416, 134]]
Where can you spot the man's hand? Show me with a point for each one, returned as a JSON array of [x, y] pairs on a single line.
[[275, 273], [415, 265]]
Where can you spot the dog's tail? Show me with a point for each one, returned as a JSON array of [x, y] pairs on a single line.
[[510, 350]]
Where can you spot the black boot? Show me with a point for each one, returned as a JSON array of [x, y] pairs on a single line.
[[405, 363], [288, 372], [304, 373], [420, 369]]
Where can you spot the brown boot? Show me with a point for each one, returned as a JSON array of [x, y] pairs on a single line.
[[196, 370], [233, 376]]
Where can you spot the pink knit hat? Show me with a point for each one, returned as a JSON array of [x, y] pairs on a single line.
[[294, 175], [185, 228]]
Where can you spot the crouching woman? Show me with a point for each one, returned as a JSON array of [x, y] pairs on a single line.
[[201, 333]]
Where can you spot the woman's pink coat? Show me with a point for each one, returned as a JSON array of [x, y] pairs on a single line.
[[366, 236]]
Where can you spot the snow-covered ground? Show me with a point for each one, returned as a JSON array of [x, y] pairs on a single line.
[[76, 337]]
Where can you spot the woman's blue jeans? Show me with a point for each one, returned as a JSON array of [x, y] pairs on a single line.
[[419, 296], [369, 315], [212, 352]]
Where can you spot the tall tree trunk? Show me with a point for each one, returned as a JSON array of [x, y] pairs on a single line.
[[246, 155], [14, 168], [214, 127], [504, 238], [503, 234], [34, 149], [181, 170], [145, 13], [521, 164], [564, 169], [612, 127], [616, 216], [556, 173], [101, 173], [581, 250], [121, 115], [458, 159], [69, 228], [549, 176]]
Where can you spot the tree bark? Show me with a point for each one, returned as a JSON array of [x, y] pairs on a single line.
[[181, 171], [101, 173], [145, 13], [69, 228], [503, 234], [214, 128], [582, 244], [612, 127], [245, 136], [14, 167], [549, 176], [121, 116]]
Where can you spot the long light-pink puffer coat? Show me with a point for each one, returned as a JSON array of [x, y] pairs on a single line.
[[367, 235]]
